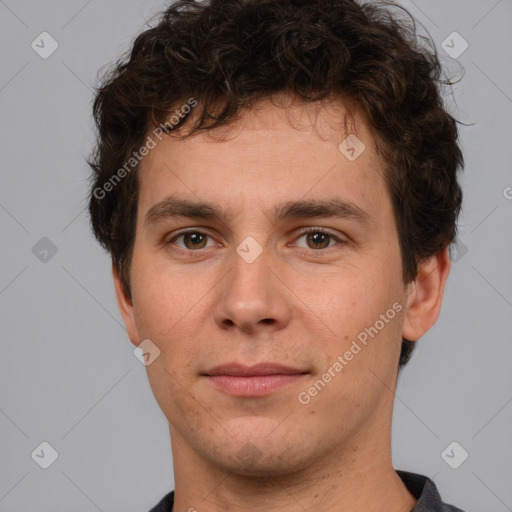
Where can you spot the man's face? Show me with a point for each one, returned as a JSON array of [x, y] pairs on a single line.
[[209, 298]]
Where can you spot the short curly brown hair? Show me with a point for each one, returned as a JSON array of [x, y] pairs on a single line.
[[227, 54]]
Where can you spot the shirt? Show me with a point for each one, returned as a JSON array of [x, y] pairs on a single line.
[[421, 487]]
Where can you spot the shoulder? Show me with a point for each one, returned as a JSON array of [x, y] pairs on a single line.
[[165, 504], [425, 491]]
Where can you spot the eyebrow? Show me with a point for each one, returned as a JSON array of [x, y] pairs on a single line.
[[172, 207]]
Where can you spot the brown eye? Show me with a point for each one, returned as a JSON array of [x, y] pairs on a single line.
[[318, 240], [190, 241], [194, 240]]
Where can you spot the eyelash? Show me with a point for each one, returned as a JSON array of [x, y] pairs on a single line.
[[306, 231]]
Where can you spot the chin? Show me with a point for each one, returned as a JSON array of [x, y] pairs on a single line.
[[253, 461], [259, 449]]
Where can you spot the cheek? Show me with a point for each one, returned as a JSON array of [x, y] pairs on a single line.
[[349, 301], [165, 301], [170, 311], [365, 317]]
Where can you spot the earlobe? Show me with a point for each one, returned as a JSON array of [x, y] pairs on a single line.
[[126, 308], [425, 295]]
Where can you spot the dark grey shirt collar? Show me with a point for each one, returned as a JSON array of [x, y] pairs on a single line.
[[421, 487], [425, 491]]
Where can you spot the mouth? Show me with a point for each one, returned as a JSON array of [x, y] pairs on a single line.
[[249, 381]]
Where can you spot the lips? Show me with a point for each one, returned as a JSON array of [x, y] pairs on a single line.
[[262, 379], [234, 369]]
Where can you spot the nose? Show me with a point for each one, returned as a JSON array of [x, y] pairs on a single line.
[[251, 296]]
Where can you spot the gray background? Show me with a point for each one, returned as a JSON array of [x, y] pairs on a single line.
[[68, 375]]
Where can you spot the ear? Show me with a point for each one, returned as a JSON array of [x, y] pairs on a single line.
[[126, 308], [425, 295]]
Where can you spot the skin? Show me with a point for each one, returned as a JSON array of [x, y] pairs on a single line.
[[295, 305]]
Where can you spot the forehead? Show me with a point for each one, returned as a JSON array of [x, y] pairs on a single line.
[[271, 153]]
